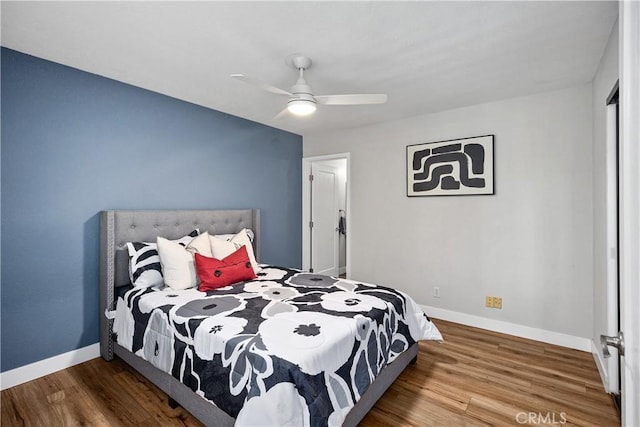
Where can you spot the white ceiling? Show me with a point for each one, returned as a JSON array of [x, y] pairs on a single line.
[[427, 56]]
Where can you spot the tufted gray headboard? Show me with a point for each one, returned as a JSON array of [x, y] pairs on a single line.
[[118, 227]]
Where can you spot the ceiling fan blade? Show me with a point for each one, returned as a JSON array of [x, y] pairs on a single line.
[[261, 85], [365, 98], [282, 114]]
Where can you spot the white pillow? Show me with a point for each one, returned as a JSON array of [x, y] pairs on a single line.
[[201, 245], [222, 248], [178, 267], [145, 269]]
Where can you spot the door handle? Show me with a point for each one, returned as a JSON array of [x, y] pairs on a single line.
[[617, 342]]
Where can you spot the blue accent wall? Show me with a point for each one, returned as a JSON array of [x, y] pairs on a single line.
[[73, 144]]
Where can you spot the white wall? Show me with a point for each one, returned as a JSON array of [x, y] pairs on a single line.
[[530, 243], [605, 79]]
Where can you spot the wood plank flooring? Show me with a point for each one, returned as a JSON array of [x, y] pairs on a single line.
[[474, 378]]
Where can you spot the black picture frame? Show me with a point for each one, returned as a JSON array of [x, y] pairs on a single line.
[[454, 167]]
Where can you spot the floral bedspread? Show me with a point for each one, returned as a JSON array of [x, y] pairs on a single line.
[[289, 348]]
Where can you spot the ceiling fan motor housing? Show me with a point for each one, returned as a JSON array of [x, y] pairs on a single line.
[[302, 92]]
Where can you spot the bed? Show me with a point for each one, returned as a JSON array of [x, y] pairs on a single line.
[[237, 381]]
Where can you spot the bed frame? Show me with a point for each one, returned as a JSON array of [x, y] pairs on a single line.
[[120, 226]]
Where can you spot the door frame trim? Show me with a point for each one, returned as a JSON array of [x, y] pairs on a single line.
[[629, 54], [306, 214]]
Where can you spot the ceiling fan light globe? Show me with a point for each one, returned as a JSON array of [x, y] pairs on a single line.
[[301, 107]]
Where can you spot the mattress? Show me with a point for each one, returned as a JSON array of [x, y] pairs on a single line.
[[288, 348]]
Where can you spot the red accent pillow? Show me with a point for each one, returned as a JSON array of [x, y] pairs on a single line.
[[215, 273]]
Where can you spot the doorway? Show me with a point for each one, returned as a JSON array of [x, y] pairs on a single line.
[[613, 242], [325, 195]]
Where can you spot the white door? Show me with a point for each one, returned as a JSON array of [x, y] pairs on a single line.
[[324, 219], [629, 20]]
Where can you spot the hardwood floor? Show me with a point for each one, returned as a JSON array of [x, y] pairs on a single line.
[[478, 377], [474, 378]]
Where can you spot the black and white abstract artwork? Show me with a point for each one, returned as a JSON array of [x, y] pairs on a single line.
[[457, 167]]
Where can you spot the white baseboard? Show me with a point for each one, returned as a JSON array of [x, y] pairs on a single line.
[[48, 366], [528, 332]]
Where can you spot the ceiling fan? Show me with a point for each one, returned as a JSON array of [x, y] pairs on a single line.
[[302, 101]]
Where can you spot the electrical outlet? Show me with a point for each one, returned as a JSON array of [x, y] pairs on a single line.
[[436, 292], [497, 302], [488, 302]]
